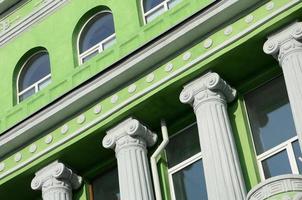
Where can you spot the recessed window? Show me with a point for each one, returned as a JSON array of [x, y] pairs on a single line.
[[106, 186], [273, 130], [96, 35], [154, 8], [185, 168], [34, 75]]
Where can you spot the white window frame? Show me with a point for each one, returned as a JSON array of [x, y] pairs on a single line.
[[36, 85], [288, 147], [164, 5], [99, 47]]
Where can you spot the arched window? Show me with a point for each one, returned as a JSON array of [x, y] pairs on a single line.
[[154, 8], [34, 75], [97, 34]]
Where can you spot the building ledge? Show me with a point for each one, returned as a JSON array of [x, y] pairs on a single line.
[[6, 4]]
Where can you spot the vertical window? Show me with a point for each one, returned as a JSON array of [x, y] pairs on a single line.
[[154, 8], [34, 75], [185, 171], [273, 130], [96, 35], [106, 186]]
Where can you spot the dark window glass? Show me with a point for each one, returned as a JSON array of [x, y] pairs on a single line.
[[96, 30], [149, 4], [189, 183], [277, 164], [183, 146], [35, 69], [270, 115], [106, 186]]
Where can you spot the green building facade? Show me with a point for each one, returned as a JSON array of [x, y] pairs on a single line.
[[150, 99]]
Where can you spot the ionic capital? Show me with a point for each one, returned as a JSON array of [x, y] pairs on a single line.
[[56, 175], [129, 132], [209, 87], [284, 42]]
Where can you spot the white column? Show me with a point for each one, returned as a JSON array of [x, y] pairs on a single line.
[[130, 140], [286, 47], [56, 182], [209, 96]]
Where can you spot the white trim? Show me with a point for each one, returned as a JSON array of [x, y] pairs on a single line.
[[35, 85], [98, 47]]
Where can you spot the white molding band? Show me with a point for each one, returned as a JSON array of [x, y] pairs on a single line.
[[209, 95], [56, 182], [130, 140], [277, 185], [286, 46]]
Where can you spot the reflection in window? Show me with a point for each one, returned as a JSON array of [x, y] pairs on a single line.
[[106, 186], [34, 75], [273, 130], [154, 8], [185, 171], [97, 35]]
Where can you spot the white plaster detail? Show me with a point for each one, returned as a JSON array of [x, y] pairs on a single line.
[[48, 139], [18, 157], [97, 109], [64, 129], [286, 47], [208, 43], [209, 95], [56, 182], [169, 67], [130, 139], [150, 77], [277, 185], [81, 119], [228, 30], [186, 56], [2, 167], [249, 19], [132, 88], [269, 6], [33, 148], [114, 98]]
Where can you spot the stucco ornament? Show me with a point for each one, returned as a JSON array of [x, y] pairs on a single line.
[[56, 182]]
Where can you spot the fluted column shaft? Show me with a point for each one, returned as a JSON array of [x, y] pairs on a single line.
[[56, 182], [209, 96], [286, 47], [130, 140]]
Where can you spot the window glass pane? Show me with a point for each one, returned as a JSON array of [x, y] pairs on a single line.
[[173, 3], [270, 115], [189, 183], [149, 4], [97, 29], [183, 145], [89, 56], [106, 186], [36, 68], [297, 152], [27, 94], [109, 43], [151, 16], [277, 164], [44, 83]]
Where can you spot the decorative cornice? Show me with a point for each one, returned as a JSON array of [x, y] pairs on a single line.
[[129, 132], [54, 173], [284, 42], [10, 28], [275, 186], [206, 88]]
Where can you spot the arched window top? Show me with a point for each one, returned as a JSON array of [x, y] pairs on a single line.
[[97, 34], [153, 8], [34, 75]]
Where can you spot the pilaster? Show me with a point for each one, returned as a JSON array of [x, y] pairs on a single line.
[[209, 95], [130, 140]]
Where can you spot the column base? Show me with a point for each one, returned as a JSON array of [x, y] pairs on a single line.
[[284, 187]]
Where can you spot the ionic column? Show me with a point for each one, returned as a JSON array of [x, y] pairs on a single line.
[[286, 47], [56, 182], [209, 96], [130, 139]]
